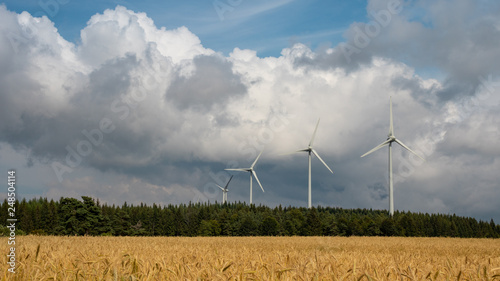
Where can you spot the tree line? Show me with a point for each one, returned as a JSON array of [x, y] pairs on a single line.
[[70, 216]]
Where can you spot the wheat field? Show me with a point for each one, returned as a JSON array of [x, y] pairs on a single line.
[[252, 258]]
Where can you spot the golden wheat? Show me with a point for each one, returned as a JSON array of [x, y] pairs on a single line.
[[252, 258]]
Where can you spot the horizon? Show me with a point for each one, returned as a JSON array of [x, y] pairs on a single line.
[[97, 201]]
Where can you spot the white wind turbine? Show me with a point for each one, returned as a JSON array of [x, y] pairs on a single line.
[[310, 150], [252, 173], [390, 139], [225, 190]]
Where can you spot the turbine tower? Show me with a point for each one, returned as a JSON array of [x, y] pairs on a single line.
[[310, 150], [390, 139], [225, 190], [252, 174]]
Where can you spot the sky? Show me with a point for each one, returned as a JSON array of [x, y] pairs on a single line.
[[150, 101]]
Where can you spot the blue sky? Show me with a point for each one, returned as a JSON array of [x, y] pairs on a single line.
[[265, 26], [150, 101]]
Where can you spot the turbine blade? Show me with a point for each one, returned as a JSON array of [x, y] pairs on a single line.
[[258, 181], [314, 134], [317, 155], [391, 126], [239, 170], [254, 162], [220, 187], [407, 148], [376, 148], [293, 152], [229, 181]]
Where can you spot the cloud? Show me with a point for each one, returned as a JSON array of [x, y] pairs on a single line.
[[211, 84], [438, 36], [121, 31], [134, 111]]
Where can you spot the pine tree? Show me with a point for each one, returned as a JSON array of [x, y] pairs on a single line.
[[248, 227], [209, 228], [121, 223], [312, 226], [269, 226], [388, 227], [24, 214], [70, 212]]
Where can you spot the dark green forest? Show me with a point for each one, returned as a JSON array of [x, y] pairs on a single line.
[[70, 216]]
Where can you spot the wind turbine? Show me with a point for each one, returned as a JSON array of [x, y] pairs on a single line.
[[252, 174], [390, 139], [224, 190], [309, 149]]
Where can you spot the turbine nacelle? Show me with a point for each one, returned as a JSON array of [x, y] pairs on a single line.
[[309, 149]]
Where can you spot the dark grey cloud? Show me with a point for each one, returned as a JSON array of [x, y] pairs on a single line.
[[340, 56], [378, 191], [213, 83], [47, 134]]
